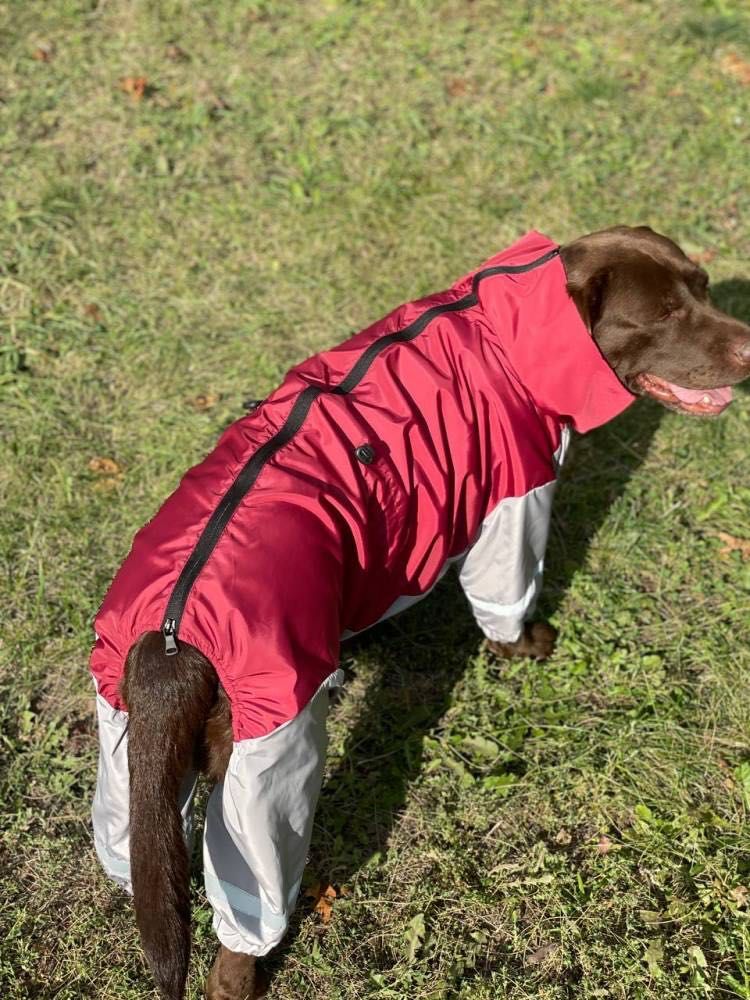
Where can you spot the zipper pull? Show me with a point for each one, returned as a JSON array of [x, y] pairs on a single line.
[[170, 643]]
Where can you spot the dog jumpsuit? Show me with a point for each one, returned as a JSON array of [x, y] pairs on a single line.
[[432, 438]]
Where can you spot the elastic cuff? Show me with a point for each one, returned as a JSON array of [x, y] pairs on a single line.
[[229, 937], [116, 869]]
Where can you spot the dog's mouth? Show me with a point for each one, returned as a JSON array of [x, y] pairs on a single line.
[[701, 402]]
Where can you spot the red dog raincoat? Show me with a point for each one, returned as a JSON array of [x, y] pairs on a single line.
[[431, 438]]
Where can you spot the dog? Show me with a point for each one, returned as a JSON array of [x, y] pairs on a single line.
[[432, 439]]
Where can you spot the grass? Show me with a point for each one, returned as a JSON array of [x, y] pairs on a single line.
[[291, 172]]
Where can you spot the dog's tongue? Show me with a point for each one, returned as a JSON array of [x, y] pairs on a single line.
[[719, 397]]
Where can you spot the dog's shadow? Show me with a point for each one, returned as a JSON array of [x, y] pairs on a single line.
[[411, 663]]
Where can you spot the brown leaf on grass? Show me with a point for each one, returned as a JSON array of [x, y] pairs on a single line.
[[323, 893], [43, 52], [92, 310], [204, 401], [733, 65], [457, 87], [135, 86], [104, 466], [733, 544], [604, 846], [324, 909]]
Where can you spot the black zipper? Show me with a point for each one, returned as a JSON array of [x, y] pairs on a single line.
[[253, 467]]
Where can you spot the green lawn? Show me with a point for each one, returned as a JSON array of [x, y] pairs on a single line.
[[291, 172]]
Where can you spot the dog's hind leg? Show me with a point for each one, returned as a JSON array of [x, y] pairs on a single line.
[[537, 641], [232, 976]]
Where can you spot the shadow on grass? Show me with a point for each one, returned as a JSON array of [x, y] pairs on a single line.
[[419, 656]]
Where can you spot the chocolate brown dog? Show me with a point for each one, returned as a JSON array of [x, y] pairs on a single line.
[[646, 306]]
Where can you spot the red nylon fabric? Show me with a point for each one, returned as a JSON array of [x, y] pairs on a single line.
[[465, 415]]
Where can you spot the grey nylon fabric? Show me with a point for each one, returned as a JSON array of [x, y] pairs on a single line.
[[502, 573], [258, 821], [258, 827]]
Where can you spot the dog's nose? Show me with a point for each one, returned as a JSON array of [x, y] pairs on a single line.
[[743, 352]]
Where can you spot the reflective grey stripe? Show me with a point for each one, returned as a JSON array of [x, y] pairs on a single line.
[[243, 902]]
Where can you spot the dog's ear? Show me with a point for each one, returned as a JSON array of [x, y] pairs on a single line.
[[589, 293]]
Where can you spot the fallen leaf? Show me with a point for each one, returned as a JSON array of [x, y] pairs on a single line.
[[541, 954], [324, 909], [43, 52], [323, 893], [105, 467], [733, 544], [732, 65], [92, 310], [135, 86], [457, 87], [204, 401], [563, 837], [604, 846]]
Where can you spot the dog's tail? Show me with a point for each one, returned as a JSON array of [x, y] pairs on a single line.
[[169, 699]]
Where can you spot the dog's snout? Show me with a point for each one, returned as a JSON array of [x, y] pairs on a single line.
[[743, 352]]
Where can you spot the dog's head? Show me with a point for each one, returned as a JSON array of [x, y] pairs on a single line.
[[647, 307]]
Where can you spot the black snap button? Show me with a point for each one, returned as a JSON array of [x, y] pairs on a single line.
[[365, 453], [251, 404]]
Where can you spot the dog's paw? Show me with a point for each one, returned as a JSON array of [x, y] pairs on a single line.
[[543, 638], [232, 977], [536, 642]]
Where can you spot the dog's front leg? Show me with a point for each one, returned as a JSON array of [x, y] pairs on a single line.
[[536, 641], [232, 976]]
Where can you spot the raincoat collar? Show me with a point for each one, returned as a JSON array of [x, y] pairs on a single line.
[[550, 348]]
